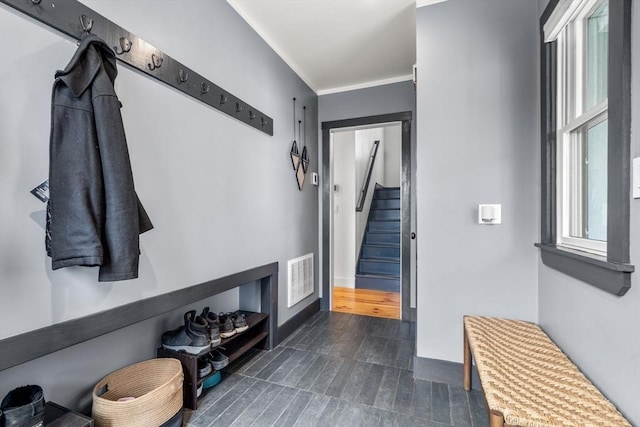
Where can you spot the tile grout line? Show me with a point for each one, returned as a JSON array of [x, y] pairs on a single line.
[[449, 400], [267, 407], [285, 407], [469, 408], [258, 397], [303, 409], [234, 401]]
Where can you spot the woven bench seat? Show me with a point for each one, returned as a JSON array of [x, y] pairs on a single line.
[[528, 381]]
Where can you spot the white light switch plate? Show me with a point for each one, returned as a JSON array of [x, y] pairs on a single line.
[[636, 178]]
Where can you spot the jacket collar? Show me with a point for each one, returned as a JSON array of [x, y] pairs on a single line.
[[92, 53]]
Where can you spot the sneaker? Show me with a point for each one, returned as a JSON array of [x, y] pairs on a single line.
[[204, 368], [214, 326], [218, 360], [226, 325], [239, 323], [23, 406], [188, 338]]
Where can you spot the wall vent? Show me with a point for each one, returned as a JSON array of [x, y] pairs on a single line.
[[300, 279]]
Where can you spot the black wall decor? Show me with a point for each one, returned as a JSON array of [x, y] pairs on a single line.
[[75, 20], [299, 161]]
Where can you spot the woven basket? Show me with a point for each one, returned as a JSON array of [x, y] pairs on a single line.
[[156, 386]]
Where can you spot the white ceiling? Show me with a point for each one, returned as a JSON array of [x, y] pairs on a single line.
[[337, 45]]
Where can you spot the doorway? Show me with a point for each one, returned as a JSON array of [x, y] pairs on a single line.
[[403, 214]]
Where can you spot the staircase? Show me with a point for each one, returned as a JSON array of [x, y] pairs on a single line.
[[378, 265]]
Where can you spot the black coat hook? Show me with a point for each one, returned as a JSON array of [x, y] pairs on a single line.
[[263, 122], [223, 99], [252, 115], [125, 46], [86, 23], [156, 62], [183, 76], [204, 88], [238, 107], [36, 2]]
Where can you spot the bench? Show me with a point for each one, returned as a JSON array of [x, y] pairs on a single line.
[[528, 381]]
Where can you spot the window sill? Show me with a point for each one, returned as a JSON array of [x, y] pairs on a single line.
[[609, 276]]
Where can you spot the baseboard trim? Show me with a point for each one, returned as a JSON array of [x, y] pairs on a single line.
[[288, 327], [344, 282], [442, 371]]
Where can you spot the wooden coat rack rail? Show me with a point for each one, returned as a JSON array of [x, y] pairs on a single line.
[[75, 20]]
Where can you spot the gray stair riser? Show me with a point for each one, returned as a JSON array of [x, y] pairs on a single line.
[[374, 267], [388, 252], [382, 238], [387, 193], [385, 214], [384, 226], [378, 283], [386, 204]]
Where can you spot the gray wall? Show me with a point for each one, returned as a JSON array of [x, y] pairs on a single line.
[[477, 143], [598, 331], [385, 99], [222, 196]]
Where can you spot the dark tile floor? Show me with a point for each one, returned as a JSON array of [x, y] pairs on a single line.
[[336, 370]]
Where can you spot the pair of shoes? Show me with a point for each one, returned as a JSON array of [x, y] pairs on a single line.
[[214, 326], [231, 324], [192, 337], [23, 406], [218, 360]]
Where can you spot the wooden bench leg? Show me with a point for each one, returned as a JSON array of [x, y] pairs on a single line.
[[496, 419], [467, 363]]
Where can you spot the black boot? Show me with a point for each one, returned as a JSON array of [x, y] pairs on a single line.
[[23, 407]]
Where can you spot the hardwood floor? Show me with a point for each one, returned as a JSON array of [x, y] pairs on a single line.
[[366, 302]]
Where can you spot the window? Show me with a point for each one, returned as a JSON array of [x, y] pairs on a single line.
[[585, 144], [582, 128]]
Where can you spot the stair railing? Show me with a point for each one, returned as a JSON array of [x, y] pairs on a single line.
[[365, 184]]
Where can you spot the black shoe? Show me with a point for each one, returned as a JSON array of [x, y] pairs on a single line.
[[218, 360], [198, 324], [23, 407], [226, 325], [239, 323], [204, 368], [214, 326], [189, 338]]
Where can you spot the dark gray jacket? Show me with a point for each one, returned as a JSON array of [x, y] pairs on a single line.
[[95, 215]]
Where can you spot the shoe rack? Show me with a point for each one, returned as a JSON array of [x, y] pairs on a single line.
[[256, 336]]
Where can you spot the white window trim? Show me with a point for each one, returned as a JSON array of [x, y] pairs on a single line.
[[564, 12], [571, 116]]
